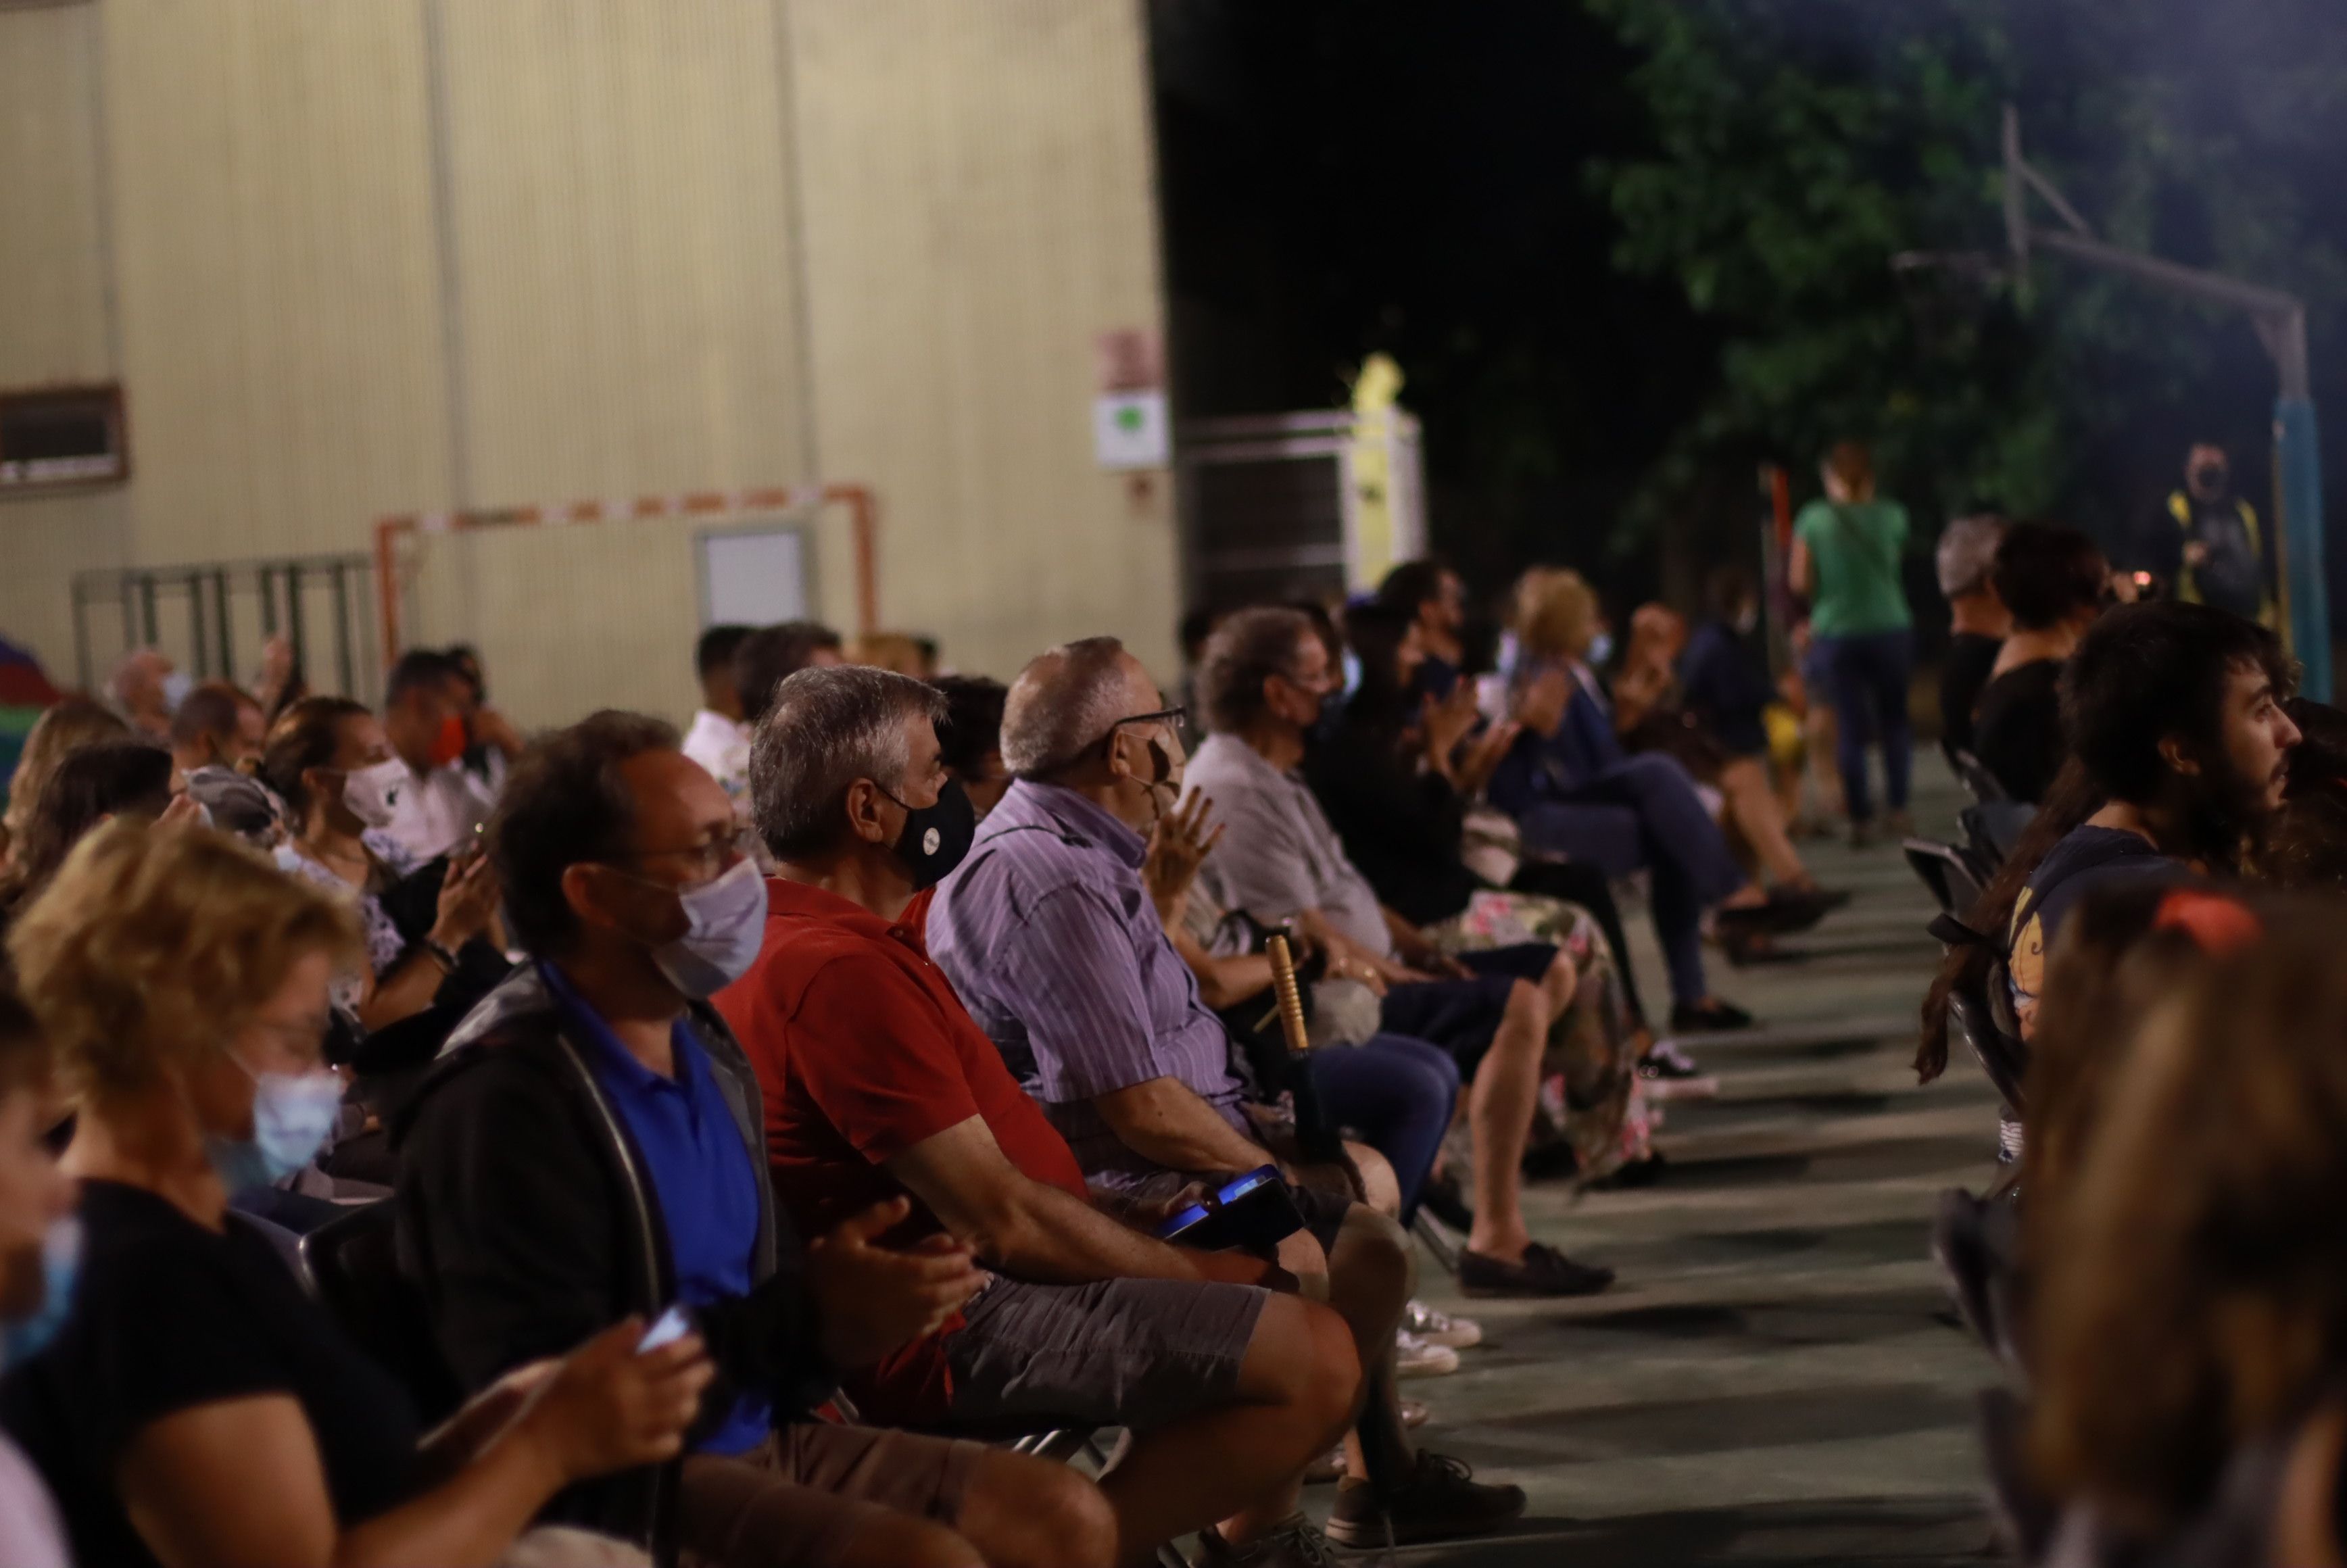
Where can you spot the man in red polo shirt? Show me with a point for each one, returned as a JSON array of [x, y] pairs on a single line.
[[877, 1083]]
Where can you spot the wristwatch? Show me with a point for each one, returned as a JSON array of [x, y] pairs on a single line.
[[441, 955]]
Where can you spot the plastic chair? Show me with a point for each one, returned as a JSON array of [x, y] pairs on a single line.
[[351, 1266], [1992, 1039], [1946, 872], [1992, 828], [1973, 774]]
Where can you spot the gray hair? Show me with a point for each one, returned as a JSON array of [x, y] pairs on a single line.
[[826, 728], [1063, 705], [1967, 553], [1247, 648]]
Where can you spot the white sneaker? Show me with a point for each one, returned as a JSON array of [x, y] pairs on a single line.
[[1416, 1358], [1437, 1328]]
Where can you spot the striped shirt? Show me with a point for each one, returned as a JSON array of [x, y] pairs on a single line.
[[1050, 939]]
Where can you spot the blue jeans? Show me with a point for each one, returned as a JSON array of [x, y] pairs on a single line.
[[1870, 674], [1644, 813], [1396, 1093]]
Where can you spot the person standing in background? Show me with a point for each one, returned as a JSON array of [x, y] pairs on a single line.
[[1845, 551], [1978, 620], [2207, 541]]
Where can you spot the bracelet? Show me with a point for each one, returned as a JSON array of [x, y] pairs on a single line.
[[440, 955]]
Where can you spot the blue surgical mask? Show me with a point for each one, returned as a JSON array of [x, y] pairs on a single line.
[[1601, 649], [60, 1267], [292, 1115], [176, 687], [725, 925]]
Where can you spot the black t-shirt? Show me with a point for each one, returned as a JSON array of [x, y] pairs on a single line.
[[1403, 827], [2082, 860], [2019, 736], [168, 1316], [1971, 656]]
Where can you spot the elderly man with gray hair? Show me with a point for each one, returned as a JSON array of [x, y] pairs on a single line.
[[1977, 619], [879, 1088], [1053, 942]]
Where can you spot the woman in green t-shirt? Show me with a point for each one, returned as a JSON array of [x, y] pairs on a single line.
[[1846, 554]]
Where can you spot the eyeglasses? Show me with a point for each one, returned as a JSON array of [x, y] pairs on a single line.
[[1174, 719], [705, 862]]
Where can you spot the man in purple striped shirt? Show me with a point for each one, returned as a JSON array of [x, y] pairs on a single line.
[[1050, 939]]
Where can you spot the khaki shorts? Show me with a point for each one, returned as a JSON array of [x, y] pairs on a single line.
[[800, 1497]]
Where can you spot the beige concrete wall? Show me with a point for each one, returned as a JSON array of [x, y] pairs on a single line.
[[980, 202], [398, 257], [54, 325]]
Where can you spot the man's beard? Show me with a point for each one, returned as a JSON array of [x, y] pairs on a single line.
[[2222, 816]]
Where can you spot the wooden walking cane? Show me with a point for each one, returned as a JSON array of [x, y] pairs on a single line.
[[1314, 1136]]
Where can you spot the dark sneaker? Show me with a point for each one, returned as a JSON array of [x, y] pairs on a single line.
[[1544, 1272], [1664, 1059], [1712, 1015], [1293, 1543], [1671, 1073], [1442, 1500]]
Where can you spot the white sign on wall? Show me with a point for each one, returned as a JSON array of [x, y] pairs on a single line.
[[755, 578], [1129, 430]]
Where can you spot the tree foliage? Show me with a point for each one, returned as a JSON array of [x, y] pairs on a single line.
[[1797, 146]]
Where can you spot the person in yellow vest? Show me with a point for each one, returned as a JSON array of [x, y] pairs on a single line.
[[2211, 543]]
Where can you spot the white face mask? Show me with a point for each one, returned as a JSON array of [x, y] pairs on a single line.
[[371, 794], [725, 925]]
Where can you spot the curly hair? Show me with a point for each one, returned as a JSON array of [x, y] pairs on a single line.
[[1556, 612], [153, 945]]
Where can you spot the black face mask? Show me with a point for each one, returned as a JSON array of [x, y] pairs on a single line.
[[936, 837], [2210, 477], [1434, 678]]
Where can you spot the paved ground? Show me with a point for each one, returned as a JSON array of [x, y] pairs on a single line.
[[1776, 1378]]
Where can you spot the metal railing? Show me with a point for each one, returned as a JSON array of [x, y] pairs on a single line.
[[214, 616]]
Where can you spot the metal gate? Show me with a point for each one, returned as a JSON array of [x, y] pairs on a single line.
[[212, 619]]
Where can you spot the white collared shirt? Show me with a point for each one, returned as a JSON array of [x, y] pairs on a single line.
[[721, 747], [436, 811]]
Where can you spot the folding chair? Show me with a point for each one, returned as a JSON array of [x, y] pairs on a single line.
[[1946, 872], [350, 1265], [1990, 829], [1970, 773]]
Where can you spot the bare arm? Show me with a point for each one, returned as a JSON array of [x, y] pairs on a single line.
[[238, 1483], [1164, 1121], [1037, 1232], [1800, 572], [1222, 981], [468, 902]]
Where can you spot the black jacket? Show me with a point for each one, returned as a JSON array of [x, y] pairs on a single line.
[[527, 1222], [1402, 826]]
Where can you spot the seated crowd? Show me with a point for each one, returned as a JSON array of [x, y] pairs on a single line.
[[718, 1147], [2162, 945]]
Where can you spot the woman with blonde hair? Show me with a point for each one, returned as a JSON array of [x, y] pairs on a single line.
[[195, 1407], [2189, 1319], [66, 725], [1578, 796]]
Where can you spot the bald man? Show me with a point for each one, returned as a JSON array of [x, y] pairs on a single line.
[[1052, 942]]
